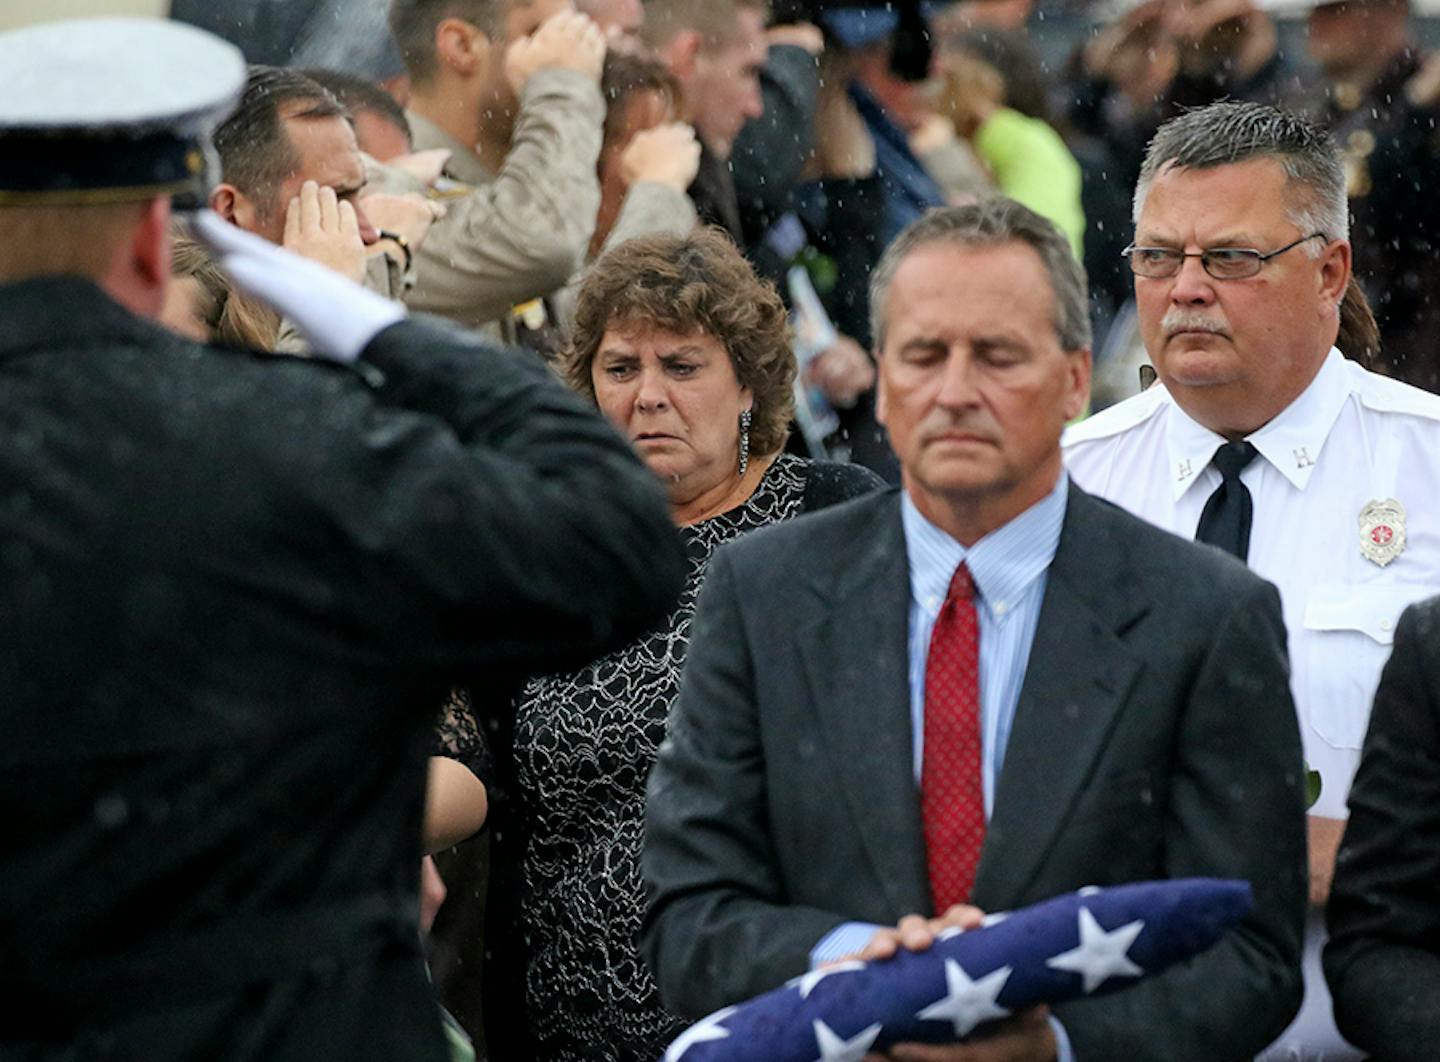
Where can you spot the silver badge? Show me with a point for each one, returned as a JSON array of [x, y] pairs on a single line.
[[1382, 531]]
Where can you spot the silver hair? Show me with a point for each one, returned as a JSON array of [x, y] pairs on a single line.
[[991, 223], [1223, 134]]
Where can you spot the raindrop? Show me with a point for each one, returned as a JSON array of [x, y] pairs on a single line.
[[111, 811]]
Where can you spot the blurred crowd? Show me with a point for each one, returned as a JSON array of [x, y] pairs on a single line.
[[822, 129]]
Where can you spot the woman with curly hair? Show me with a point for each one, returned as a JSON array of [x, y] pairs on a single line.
[[688, 354]]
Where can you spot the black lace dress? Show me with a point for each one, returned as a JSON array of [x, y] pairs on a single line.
[[584, 743]]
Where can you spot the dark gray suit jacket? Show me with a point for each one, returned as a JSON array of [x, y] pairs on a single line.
[[1155, 737], [1383, 959]]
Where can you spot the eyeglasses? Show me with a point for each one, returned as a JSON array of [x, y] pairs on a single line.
[[1222, 263]]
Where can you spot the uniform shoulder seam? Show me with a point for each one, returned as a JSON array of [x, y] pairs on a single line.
[[1395, 397], [1117, 418]]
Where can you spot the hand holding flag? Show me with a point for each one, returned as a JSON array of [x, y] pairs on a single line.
[[1082, 944]]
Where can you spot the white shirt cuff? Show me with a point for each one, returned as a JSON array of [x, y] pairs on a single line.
[[1063, 1053], [841, 941]]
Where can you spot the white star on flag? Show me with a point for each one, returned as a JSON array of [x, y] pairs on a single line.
[[699, 1033], [1101, 955], [967, 1003], [807, 983], [834, 1048]]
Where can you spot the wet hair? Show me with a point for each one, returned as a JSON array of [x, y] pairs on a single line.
[[256, 154], [1227, 133], [686, 285], [357, 95], [1012, 55], [234, 320], [992, 222], [413, 24], [1359, 336], [625, 75], [715, 20]]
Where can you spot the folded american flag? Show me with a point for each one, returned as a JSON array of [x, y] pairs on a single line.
[[1086, 943]]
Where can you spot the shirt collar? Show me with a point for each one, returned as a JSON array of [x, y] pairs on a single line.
[[1003, 564], [1292, 441]]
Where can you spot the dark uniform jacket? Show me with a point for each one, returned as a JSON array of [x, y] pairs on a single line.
[[233, 590]]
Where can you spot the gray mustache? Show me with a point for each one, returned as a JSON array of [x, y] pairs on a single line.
[[1187, 321]]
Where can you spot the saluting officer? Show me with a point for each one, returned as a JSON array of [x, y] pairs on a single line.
[[1264, 441], [233, 588]]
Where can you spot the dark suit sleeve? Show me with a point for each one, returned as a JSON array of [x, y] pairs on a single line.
[[717, 916], [1235, 809], [1383, 959], [485, 516]]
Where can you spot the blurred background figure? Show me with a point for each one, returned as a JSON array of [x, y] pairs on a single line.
[[648, 158], [619, 20], [345, 35], [1377, 92], [714, 49], [872, 110], [511, 90], [1023, 156], [290, 131], [381, 129]]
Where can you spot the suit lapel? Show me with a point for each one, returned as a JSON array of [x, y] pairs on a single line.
[[1078, 676], [856, 659]]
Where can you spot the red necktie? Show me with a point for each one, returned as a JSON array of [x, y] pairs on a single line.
[[952, 800]]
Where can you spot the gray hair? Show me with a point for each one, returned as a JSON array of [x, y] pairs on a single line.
[[1223, 134], [991, 223]]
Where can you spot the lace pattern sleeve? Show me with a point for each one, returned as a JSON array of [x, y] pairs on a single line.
[[458, 736]]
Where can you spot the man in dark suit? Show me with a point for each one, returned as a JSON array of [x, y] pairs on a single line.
[[234, 589], [1383, 957], [1087, 700]]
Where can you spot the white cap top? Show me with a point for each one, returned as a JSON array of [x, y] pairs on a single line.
[[117, 75]]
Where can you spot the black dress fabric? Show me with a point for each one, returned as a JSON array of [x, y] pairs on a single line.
[[584, 743]]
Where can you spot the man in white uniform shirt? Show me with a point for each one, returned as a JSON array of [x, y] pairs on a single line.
[[1262, 439]]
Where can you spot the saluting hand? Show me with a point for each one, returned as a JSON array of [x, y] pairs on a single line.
[[668, 154], [567, 41], [322, 228], [337, 315], [410, 215]]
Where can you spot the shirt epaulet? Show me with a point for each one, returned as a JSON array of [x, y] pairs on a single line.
[[1384, 395], [1117, 419]]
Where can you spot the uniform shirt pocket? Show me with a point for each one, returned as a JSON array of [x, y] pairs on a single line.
[[1350, 628]]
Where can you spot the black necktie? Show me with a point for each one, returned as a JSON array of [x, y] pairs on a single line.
[[1226, 519]]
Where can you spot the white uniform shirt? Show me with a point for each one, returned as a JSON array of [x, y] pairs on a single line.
[[1351, 438]]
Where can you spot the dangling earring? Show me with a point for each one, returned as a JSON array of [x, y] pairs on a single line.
[[744, 440]]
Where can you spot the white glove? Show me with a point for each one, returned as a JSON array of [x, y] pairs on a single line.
[[336, 315]]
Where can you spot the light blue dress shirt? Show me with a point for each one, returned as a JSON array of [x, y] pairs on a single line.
[[1009, 567]]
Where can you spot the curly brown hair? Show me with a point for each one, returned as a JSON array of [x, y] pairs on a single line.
[[699, 282]]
